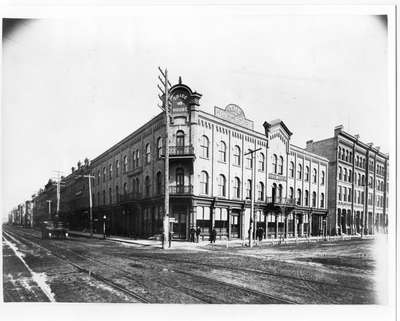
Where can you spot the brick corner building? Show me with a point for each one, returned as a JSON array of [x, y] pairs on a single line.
[[359, 187]]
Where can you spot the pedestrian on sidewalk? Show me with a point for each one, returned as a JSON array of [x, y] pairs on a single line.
[[260, 233], [198, 231], [192, 233], [214, 235]]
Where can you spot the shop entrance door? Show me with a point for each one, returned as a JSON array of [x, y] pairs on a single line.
[[179, 225], [235, 226]]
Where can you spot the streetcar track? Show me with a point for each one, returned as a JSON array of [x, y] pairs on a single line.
[[195, 276], [92, 274], [190, 292]]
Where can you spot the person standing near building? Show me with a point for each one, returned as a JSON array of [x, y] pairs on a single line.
[[192, 233], [213, 235], [198, 231]]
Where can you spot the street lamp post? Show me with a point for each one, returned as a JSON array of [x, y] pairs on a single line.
[[253, 178]]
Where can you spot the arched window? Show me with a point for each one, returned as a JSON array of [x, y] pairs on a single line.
[[148, 154], [306, 196], [204, 182], [110, 171], [137, 187], [291, 193], [315, 175], [137, 158], [110, 195], [280, 190], [117, 168], [248, 188], [280, 165], [362, 180], [159, 183], [180, 180], [345, 174], [147, 186], [125, 188], [204, 146], [222, 151], [261, 162], [273, 192], [307, 174], [350, 175], [322, 200], [221, 185], [340, 173], [339, 152], [298, 202], [98, 177], [249, 160], [180, 139], [299, 170], [275, 163], [314, 199], [104, 174], [260, 191], [125, 164], [236, 155], [159, 147], [236, 187], [291, 169], [322, 177]]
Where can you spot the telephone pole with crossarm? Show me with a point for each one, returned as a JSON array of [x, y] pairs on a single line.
[[165, 106]]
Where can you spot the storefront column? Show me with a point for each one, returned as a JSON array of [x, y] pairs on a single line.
[[286, 227], [309, 224], [295, 224], [242, 225], [229, 223], [276, 226], [301, 225], [212, 218]]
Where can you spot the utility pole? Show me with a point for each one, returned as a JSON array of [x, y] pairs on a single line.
[[58, 184], [253, 187], [89, 177], [164, 97], [49, 201]]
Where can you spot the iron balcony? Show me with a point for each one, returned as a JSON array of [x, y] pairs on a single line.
[[281, 201], [181, 189]]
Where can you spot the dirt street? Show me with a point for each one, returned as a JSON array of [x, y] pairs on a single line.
[[88, 270]]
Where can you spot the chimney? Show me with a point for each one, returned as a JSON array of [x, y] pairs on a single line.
[[357, 136], [378, 148], [86, 161], [370, 145], [73, 169], [79, 164], [338, 129], [309, 144]]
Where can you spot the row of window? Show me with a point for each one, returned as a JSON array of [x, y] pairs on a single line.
[[345, 194], [345, 155], [306, 173], [237, 156], [305, 202], [380, 170]]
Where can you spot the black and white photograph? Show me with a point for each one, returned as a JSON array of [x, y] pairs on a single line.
[[200, 156]]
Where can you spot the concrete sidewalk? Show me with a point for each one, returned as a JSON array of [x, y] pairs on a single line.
[[183, 244]]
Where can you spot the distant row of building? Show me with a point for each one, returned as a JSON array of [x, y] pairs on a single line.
[[332, 187]]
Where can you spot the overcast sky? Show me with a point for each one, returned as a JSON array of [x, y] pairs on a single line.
[[73, 88]]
